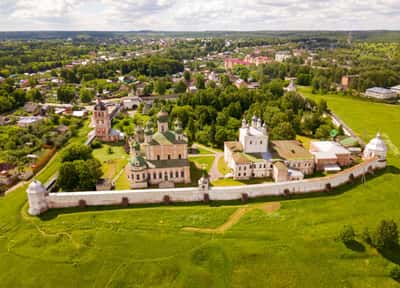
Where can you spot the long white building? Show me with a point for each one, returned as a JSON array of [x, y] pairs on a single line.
[[380, 93]]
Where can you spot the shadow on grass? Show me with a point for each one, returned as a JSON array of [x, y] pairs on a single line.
[[392, 170], [355, 246], [392, 254], [53, 213]]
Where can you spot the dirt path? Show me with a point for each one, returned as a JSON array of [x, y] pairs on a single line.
[[235, 217], [214, 171], [201, 155], [271, 207], [211, 150]]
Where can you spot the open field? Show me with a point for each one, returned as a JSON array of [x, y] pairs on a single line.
[[146, 246]]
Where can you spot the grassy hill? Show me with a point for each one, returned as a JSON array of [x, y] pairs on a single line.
[[146, 246]]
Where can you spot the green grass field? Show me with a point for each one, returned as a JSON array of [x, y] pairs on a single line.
[[145, 246], [203, 162], [223, 167], [112, 163]]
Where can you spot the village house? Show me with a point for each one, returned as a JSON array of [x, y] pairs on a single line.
[[292, 86], [249, 60], [159, 158], [282, 56], [347, 81]]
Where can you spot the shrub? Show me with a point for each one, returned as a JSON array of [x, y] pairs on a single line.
[[96, 144], [366, 236], [394, 272], [347, 234], [386, 235], [76, 152]]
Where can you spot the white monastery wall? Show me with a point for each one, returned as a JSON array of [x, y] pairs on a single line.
[[194, 194]]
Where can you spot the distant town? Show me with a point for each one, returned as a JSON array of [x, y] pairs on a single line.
[[199, 159]]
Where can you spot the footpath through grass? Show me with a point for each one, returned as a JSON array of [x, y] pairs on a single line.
[[146, 247]]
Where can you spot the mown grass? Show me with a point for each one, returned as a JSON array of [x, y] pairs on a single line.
[[203, 162], [112, 161], [145, 246], [223, 167], [232, 182]]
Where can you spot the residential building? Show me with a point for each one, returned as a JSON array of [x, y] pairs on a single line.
[[26, 121], [292, 86], [229, 63], [295, 156], [380, 93], [162, 158], [396, 89], [282, 56], [347, 81], [330, 156]]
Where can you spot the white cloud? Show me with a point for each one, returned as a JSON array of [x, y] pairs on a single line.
[[199, 14]]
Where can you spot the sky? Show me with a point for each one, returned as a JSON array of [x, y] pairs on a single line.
[[199, 15]]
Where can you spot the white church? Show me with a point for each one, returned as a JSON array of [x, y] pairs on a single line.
[[249, 156]]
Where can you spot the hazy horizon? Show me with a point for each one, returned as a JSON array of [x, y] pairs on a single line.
[[198, 16]]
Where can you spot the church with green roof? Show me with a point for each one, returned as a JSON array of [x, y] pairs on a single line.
[[158, 157]]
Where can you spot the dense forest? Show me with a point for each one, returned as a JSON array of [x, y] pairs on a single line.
[[212, 116]]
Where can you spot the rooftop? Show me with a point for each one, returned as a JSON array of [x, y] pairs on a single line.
[[290, 150], [280, 166], [165, 138], [328, 146], [379, 90], [167, 163], [234, 146], [241, 158]]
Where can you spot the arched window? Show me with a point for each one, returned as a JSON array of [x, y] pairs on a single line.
[[180, 156], [169, 157], [158, 157], [177, 174]]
